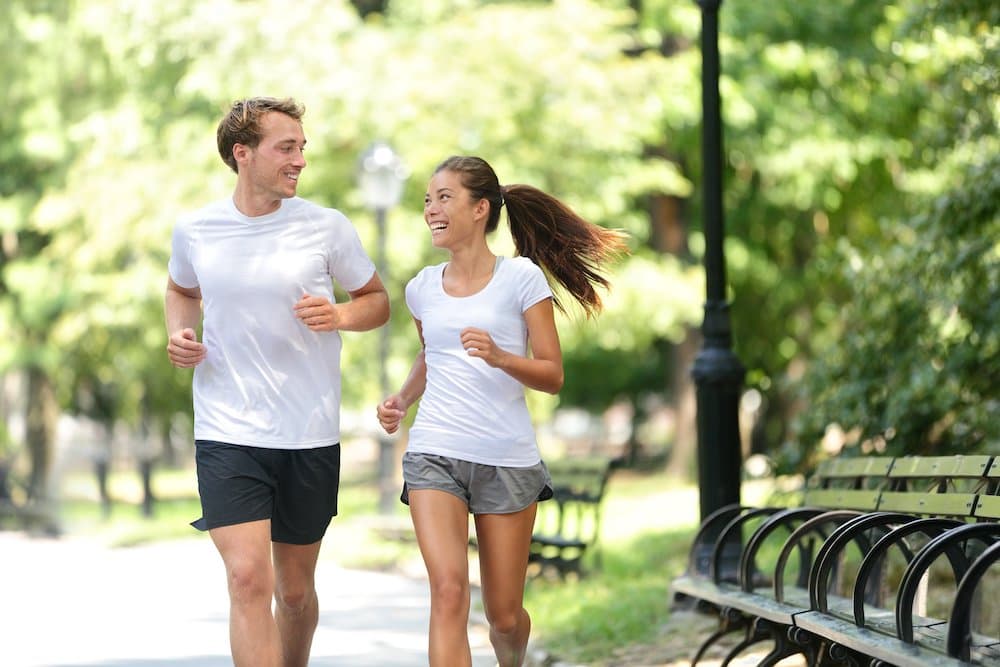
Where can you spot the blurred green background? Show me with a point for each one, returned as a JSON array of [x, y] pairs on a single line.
[[861, 202], [862, 188]]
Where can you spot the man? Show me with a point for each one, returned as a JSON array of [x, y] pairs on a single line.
[[255, 270]]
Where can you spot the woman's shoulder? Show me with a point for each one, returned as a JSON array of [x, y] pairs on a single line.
[[428, 273], [522, 266]]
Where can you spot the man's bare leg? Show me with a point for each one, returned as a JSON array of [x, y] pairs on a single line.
[[246, 553], [296, 602]]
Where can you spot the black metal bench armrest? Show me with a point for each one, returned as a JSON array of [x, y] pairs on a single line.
[[960, 626], [896, 537], [945, 543], [699, 561], [788, 519], [854, 530], [813, 527], [732, 533]]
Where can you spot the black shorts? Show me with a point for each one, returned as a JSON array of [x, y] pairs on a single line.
[[295, 488]]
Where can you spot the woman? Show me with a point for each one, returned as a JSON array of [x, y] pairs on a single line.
[[487, 329]]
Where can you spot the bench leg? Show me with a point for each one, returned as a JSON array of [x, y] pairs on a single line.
[[730, 621], [759, 631], [837, 654], [808, 644], [783, 648]]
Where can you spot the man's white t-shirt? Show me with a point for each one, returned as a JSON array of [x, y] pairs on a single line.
[[267, 380], [469, 410]]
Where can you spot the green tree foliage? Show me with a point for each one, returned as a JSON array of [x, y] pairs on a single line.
[[845, 125], [916, 365], [854, 135]]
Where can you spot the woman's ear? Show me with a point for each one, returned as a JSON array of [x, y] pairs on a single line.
[[482, 208]]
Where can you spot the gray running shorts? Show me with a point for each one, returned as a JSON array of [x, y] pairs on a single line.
[[485, 489]]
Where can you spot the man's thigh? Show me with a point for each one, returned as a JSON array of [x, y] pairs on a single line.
[[245, 548]]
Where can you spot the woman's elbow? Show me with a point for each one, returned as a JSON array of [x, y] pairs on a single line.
[[555, 386]]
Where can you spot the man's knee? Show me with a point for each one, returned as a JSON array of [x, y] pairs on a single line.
[[295, 599], [250, 582]]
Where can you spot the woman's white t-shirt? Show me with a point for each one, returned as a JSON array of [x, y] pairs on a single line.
[[469, 410], [267, 380]]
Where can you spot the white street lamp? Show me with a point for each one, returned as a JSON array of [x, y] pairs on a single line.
[[381, 177]]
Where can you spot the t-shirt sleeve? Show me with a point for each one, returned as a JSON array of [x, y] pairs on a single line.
[[180, 267], [349, 264], [532, 286], [413, 294]]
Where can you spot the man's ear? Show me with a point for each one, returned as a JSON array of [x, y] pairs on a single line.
[[241, 153]]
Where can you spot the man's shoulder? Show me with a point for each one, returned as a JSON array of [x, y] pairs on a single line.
[[308, 209], [213, 210]]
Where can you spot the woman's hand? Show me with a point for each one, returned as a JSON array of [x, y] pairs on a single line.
[[391, 412], [479, 343]]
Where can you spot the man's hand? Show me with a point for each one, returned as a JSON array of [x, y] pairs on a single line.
[[184, 350], [317, 313]]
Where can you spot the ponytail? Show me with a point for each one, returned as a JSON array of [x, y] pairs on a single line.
[[570, 250]]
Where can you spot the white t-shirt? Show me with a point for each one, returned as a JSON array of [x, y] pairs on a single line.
[[469, 410], [267, 380]]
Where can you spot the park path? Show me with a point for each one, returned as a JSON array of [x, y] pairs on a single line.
[[74, 602]]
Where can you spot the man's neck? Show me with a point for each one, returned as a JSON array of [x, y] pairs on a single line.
[[253, 206]]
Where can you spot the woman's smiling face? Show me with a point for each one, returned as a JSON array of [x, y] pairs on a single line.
[[450, 213]]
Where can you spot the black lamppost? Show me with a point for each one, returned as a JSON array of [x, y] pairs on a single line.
[[381, 176], [717, 372]]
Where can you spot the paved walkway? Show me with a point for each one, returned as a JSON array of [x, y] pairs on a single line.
[[76, 603]]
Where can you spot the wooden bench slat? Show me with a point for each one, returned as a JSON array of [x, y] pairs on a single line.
[[987, 507], [862, 466], [848, 499], [946, 504], [940, 466], [872, 643]]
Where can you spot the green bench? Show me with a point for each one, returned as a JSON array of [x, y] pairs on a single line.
[[843, 578]]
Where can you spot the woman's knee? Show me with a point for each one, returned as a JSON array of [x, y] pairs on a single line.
[[450, 595], [507, 621]]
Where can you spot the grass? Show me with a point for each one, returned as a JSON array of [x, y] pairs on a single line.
[[648, 523]]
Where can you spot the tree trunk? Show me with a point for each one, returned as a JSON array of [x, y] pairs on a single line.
[[40, 431], [681, 463]]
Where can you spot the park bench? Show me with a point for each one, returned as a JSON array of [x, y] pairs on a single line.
[[886, 561], [567, 527]]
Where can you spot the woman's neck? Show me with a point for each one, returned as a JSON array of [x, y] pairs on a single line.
[[472, 263]]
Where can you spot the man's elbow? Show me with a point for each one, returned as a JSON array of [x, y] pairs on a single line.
[[383, 310]]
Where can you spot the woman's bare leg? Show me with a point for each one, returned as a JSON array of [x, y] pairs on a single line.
[[441, 522], [504, 541]]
